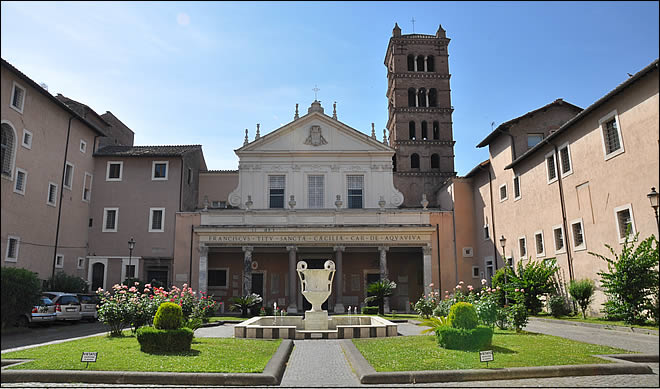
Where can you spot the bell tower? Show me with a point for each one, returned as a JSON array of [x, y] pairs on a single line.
[[419, 107]]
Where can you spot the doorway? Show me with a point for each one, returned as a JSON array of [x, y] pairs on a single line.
[[98, 271]]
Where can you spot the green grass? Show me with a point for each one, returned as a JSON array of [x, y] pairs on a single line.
[[208, 355], [407, 353], [600, 320], [388, 316], [214, 319]]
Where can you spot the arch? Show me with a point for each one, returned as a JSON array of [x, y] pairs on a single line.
[[435, 161], [414, 161], [436, 130], [98, 275], [412, 98], [8, 148], [430, 64], [412, 132], [394, 163], [411, 63], [420, 63], [433, 98], [421, 97], [425, 130]]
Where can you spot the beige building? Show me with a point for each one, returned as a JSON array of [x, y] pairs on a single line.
[[561, 182]]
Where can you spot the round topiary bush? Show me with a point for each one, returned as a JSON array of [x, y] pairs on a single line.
[[463, 315], [473, 339], [155, 341], [168, 317]]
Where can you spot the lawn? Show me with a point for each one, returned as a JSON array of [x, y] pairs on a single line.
[[600, 320], [406, 353], [209, 355], [214, 319], [388, 316]]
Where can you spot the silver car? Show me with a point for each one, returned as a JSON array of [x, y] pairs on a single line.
[[88, 303], [67, 306], [42, 313]]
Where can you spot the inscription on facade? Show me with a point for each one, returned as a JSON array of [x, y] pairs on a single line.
[[330, 238]]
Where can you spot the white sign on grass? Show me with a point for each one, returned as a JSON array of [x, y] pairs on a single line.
[[486, 356]]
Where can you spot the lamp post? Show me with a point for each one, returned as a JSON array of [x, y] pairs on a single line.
[[653, 198], [506, 268], [131, 246]]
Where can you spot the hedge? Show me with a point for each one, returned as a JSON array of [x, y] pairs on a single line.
[[369, 310], [474, 339], [153, 340]]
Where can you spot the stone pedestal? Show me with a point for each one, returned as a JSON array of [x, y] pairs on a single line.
[[316, 320]]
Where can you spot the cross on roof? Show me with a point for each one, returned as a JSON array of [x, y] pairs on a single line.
[[316, 92], [413, 23]]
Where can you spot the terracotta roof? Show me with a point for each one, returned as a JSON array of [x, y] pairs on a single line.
[[147, 151], [504, 126], [631, 80], [477, 168]]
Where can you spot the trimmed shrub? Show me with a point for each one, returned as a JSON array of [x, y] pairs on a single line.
[[153, 340], [168, 317], [463, 315], [582, 292], [517, 315], [487, 309], [20, 292], [369, 310], [66, 283], [474, 339], [558, 306]]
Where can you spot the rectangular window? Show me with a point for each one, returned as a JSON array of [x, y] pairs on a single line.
[[276, 186], [611, 135], [17, 97], [110, 216], [540, 249], [565, 159], [20, 181], [522, 247], [218, 278], [516, 187], [578, 236], [68, 176], [83, 146], [551, 167], [51, 198], [355, 185], [190, 176], [558, 233], [129, 270], [87, 187], [503, 194], [624, 222], [59, 261], [27, 139], [218, 204], [91, 222], [114, 171], [533, 140], [81, 263], [13, 242], [315, 191], [159, 170], [156, 219], [486, 232], [475, 271]]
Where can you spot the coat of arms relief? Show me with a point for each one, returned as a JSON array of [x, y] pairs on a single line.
[[315, 137]]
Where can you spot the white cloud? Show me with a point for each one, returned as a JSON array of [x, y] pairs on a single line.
[[183, 19]]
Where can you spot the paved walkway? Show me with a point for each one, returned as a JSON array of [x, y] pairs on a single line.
[[318, 363]]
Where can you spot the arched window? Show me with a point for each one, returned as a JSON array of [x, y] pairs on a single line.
[[421, 97], [425, 131], [394, 163], [435, 161], [412, 133], [414, 161], [436, 130], [420, 63], [412, 99], [411, 63], [433, 98], [8, 149], [430, 65]]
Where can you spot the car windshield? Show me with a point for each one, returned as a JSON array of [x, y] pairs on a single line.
[[88, 299]]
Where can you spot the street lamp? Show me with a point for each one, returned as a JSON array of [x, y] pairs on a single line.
[[506, 267], [653, 198], [131, 246]]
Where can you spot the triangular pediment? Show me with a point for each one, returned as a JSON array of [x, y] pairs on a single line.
[[315, 132]]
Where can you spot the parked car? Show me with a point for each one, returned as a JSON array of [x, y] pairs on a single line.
[[88, 304], [44, 313], [67, 306]]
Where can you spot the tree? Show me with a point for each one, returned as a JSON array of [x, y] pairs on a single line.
[[244, 303], [378, 291], [20, 292], [582, 292], [630, 279], [535, 278]]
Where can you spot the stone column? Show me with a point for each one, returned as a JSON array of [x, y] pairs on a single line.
[[339, 279], [384, 274], [426, 250], [247, 270], [203, 268], [293, 280], [426, 65], [415, 63]]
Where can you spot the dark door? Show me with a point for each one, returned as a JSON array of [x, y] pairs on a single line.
[[315, 264], [258, 288], [98, 270]]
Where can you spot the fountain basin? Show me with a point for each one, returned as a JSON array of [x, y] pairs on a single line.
[[293, 327]]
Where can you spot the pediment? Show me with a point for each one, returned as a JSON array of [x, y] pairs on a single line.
[[315, 132]]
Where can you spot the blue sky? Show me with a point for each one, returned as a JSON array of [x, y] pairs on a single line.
[[202, 72]]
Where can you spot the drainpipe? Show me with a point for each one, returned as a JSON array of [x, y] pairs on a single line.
[[437, 237], [59, 205], [563, 212], [192, 229], [492, 216]]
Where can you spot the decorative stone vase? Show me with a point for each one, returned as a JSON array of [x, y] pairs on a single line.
[[316, 283]]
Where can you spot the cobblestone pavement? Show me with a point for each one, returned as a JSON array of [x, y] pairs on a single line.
[[318, 363], [626, 340]]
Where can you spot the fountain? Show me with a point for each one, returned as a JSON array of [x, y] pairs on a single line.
[[316, 287]]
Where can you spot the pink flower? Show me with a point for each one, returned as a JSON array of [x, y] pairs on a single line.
[[483, 281], [517, 290], [122, 291], [460, 282], [458, 287], [446, 291], [470, 288], [431, 284], [522, 290], [147, 286], [132, 289], [498, 288]]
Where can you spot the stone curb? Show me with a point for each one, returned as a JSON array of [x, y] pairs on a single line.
[[368, 375], [636, 330], [272, 374]]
